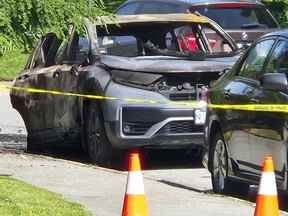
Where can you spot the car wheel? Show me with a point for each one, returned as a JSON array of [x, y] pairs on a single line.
[[219, 164], [98, 146]]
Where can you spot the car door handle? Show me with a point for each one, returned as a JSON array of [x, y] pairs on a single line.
[[56, 74], [227, 94], [74, 70]]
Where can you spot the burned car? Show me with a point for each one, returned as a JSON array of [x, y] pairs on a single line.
[[143, 67]]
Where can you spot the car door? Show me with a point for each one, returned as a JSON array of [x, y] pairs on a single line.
[[66, 109], [33, 78], [266, 135], [22, 100], [239, 91]]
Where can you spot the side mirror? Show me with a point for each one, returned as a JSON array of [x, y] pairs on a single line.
[[275, 81]]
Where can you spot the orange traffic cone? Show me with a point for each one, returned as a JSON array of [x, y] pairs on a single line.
[[267, 201], [134, 201]]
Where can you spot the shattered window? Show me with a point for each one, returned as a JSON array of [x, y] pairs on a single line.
[[119, 45], [186, 39], [176, 40], [60, 53], [77, 48], [216, 42]]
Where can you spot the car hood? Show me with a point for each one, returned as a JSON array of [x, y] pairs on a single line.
[[165, 64]]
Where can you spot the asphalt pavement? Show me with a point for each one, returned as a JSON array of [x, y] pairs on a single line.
[[12, 129], [173, 186]]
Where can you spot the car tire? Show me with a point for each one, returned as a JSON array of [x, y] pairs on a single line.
[[98, 147], [33, 146], [219, 165]]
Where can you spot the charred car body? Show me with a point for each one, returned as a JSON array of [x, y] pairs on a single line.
[[156, 67]]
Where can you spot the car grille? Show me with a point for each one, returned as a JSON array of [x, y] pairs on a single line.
[[181, 127], [136, 128]]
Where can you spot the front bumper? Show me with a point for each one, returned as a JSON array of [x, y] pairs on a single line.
[[160, 125], [155, 127]]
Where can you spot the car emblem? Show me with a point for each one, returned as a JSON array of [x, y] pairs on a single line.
[[244, 36]]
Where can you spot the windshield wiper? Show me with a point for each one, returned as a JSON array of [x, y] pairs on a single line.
[[153, 50], [253, 25]]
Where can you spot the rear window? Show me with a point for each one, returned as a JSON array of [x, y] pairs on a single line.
[[239, 18], [160, 8]]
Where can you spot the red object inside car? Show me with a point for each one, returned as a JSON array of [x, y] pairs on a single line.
[[188, 42]]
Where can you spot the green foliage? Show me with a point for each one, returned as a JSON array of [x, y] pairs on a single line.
[[279, 9], [22, 22], [12, 63]]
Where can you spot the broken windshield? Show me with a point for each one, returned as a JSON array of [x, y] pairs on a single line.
[[192, 41]]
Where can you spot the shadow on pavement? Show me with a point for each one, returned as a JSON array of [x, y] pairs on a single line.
[[250, 195], [151, 159], [160, 160]]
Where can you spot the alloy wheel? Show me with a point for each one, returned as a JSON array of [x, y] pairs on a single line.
[[220, 165]]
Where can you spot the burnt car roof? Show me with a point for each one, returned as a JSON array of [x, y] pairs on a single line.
[[152, 18]]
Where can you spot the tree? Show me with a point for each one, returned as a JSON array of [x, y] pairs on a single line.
[[23, 22], [279, 10]]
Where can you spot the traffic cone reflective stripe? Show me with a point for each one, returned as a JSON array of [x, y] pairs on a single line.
[[134, 201], [267, 184], [136, 185], [267, 201]]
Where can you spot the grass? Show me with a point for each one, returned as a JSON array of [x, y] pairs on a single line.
[[20, 199], [11, 64]]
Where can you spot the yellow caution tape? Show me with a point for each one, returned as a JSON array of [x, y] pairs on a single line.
[[191, 104], [253, 107]]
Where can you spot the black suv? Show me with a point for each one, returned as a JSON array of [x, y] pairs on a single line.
[[238, 140], [244, 20]]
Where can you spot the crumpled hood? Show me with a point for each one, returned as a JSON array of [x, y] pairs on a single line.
[[165, 64]]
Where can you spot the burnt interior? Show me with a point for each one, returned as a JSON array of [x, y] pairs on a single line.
[[152, 39], [183, 87]]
